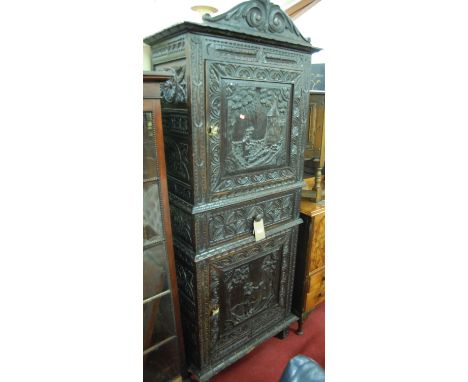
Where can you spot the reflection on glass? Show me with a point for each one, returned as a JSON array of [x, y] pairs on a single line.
[[158, 321], [152, 220], [149, 149], [155, 271], [162, 364]]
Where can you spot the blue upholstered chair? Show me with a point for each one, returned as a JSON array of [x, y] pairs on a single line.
[[302, 369]]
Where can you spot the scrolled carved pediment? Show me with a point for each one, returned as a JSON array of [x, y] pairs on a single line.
[[259, 17]]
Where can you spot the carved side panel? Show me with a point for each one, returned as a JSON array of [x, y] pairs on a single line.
[[187, 284], [177, 158], [182, 225], [241, 51], [176, 122]]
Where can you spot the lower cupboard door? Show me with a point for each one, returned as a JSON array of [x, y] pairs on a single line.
[[249, 291]]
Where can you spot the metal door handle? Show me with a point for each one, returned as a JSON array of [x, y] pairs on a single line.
[[215, 311], [214, 130]]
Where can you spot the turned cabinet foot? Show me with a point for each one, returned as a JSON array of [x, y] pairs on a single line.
[[283, 334]]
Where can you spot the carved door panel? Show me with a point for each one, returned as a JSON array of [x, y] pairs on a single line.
[[248, 292], [253, 126]]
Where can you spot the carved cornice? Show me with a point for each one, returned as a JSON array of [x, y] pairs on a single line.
[[259, 17]]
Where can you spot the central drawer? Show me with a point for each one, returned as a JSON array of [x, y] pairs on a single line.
[[236, 222], [219, 226]]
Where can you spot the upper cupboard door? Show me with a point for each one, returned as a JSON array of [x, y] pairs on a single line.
[[254, 124]]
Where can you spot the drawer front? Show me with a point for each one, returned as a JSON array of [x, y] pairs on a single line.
[[317, 243], [249, 291], [316, 293], [236, 222]]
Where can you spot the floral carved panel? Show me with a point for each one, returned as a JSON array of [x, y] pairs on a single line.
[[244, 285], [234, 223]]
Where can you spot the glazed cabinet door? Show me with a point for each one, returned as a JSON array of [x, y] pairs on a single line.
[[249, 291], [162, 343], [254, 126]]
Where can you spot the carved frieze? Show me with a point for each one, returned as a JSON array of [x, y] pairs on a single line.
[[170, 48], [232, 223]]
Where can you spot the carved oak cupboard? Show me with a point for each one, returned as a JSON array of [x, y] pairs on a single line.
[[234, 115]]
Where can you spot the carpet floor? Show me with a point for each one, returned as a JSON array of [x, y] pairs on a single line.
[[267, 361]]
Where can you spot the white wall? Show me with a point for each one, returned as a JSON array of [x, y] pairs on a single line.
[[313, 24], [161, 14]]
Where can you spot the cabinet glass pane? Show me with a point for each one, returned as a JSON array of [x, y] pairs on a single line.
[[162, 364], [158, 321], [149, 148], [152, 220], [155, 271]]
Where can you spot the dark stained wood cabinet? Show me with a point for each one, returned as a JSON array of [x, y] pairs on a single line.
[[163, 350], [309, 280], [234, 115]]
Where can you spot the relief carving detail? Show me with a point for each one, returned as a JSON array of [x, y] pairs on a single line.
[[181, 223], [233, 223], [177, 158], [262, 17], [174, 90], [243, 284], [254, 115]]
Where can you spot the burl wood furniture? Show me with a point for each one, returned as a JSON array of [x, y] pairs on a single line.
[[309, 280], [234, 116], [314, 154], [163, 351]]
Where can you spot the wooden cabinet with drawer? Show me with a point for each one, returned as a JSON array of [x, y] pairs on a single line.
[[234, 115], [309, 281]]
